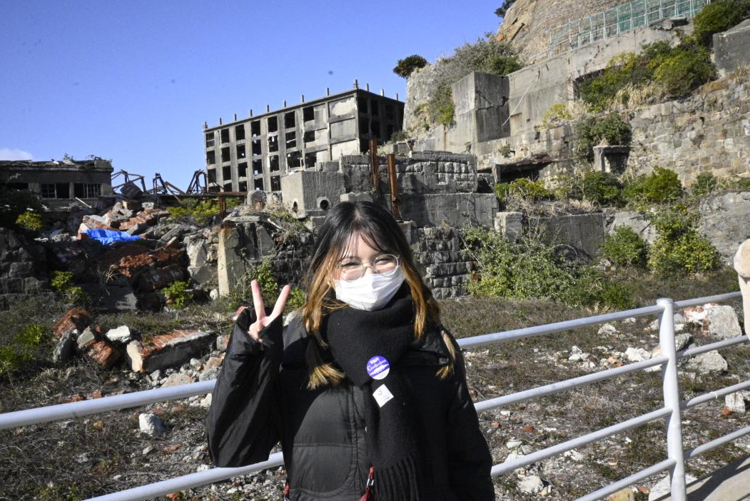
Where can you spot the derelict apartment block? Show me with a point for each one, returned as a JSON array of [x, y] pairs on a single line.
[[253, 153]]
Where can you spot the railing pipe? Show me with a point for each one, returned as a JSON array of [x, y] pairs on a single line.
[[697, 350], [539, 330], [568, 384], [189, 481], [628, 481], [714, 395], [672, 400], [697, 451], [718, 298], [116, 402], [499, 469]]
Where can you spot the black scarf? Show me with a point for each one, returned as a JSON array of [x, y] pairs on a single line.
[[394, 433]]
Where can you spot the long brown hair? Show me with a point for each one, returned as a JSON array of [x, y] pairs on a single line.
[[379, 229]]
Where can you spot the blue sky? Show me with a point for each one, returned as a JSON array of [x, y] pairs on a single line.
[[133, 80]]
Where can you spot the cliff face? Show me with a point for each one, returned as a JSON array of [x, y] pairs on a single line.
[[527, 22]]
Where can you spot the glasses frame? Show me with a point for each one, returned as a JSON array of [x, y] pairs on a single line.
[[365, 265]]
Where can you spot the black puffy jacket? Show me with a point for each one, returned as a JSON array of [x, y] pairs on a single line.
[[261, 398]]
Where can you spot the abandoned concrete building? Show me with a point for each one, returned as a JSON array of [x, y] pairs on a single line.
[[58, 183], [253, 154]]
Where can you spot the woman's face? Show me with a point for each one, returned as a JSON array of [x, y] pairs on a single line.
[[358, 253]]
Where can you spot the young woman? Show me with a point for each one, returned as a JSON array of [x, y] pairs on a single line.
[[364, 389]]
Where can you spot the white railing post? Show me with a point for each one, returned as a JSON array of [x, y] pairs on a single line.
[[672, 400]]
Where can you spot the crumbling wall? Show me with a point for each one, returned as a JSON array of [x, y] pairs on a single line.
[[444, 264], [22, 267]]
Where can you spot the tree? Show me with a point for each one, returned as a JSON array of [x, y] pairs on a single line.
[[406, 66], [501, 11]]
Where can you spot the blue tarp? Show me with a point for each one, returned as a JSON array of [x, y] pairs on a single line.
[[107, 237]]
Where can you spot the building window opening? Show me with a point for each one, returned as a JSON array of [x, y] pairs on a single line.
[[295, 207], [273, 124], [308, 114], [310, 160], [225, 154], [273, 163], [364, 127], [258, 184], [49, 191], [210, 142], [376, 130], [227, 186], [273, 143], [289, 120], [362, 104], [374, 107], [243, 186], [390, 132], [255, 128], [224, 136], [309, 136], [390, 114], [276, 183], [211, 157], [257, 167], [211, 175], [17, 186], [213, 189], [239, 133], [226, 174], [242, 169], [294, 160], [256, 146], [241, 151], [85, 190], [291, 139]]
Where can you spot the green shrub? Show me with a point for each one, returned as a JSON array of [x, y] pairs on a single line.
[[661, 186], [441, 108], [591, 131], [21, 350], [242, 293], [297, 299], [521, 190], [15, 203], [705, 184], [62, 283], [686, 69], [177, 294], [29, 221], [679, 248], [399, 135], [601, 187], [555, 114], [532, 269], [674, 71], [191, 209], [719, 16], [625, 247], [501, 11], [408, 65]]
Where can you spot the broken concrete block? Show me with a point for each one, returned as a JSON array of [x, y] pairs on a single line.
[[160, 352], [509, 225], [65, 348], [151, 424], [74, 320], [90, 345], [157, 278], [177, 379], [119, 334], [715, 320]]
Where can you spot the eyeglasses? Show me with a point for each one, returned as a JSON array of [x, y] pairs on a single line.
[[352, 268]]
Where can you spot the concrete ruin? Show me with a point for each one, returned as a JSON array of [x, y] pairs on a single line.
[[59, 183], [253, 154]]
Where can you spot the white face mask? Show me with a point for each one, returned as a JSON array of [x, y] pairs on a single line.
[[370, 292]]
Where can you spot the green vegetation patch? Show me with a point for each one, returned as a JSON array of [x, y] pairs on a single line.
[[591, 131], [719, 16]]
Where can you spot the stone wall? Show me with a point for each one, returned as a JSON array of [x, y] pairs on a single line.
[[22, 266], [708, 132], [445, 266]]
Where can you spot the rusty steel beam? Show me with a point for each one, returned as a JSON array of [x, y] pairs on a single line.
[[393, 186]]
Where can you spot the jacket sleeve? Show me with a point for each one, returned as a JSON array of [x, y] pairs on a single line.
[[243, 421], [469, 458]]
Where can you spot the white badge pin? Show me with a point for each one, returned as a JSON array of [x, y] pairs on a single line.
[[382, 395]]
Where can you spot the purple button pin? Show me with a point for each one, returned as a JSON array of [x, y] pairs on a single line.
[[378, 367]]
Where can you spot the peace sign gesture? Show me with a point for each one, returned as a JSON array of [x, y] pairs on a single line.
[[260, 311]]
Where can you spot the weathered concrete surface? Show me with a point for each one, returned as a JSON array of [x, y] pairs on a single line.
[[731, 483], [730, 48], [456, 209], [311, 192], [167, 350], [724, 221], [583, 232], [509, 225], [233, 245], [22, 266], [634, 221]]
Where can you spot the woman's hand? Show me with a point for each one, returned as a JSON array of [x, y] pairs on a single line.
[[260, 310]]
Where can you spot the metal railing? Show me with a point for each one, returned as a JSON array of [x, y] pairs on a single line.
[[617, 20], [671, 411]]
